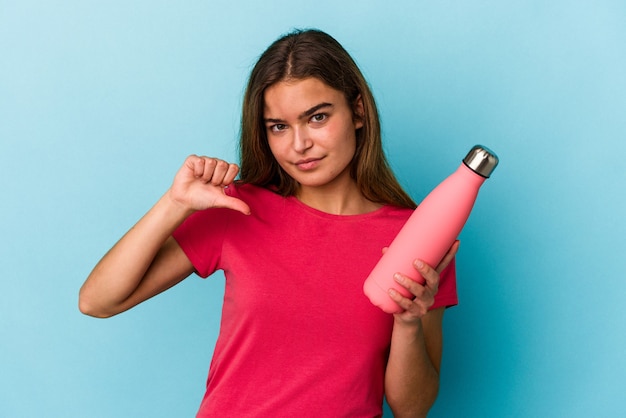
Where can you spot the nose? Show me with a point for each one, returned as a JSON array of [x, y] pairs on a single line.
[[301, 140]]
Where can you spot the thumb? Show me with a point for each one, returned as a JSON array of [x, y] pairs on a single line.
[[236, 204]]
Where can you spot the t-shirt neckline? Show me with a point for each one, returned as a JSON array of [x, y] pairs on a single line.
[[378, 212]]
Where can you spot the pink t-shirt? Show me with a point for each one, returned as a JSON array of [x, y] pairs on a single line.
[[298, 338]]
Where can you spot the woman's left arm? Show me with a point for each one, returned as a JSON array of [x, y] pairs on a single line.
[[412, 375]]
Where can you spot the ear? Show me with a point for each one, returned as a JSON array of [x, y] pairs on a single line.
[[358, 111]]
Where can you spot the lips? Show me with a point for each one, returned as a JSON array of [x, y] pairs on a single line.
[[308, 164]]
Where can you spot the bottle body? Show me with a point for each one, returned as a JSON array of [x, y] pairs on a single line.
[[427, 235]]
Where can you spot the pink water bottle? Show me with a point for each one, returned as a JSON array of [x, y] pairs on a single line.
[[432, 229]]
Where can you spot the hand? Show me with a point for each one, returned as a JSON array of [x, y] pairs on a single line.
[[200, 184], [415, 309]]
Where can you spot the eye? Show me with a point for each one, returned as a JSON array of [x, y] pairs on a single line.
[[278, 127], [319, 117]]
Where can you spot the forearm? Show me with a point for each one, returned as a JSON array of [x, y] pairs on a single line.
[[411, 378], [121, 270]]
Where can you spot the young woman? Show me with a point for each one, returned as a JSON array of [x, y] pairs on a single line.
[[296, 236]]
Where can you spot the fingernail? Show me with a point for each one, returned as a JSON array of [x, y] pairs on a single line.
[[419, 264], [398, 278], [392, 292]]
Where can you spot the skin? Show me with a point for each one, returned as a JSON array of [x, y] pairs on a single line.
[[309, 122], [147, 260], [311, 132], [412, 375]]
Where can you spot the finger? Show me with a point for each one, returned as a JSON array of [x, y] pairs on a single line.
[[208, 167], [236, 204], [195, 165], [449, 256], [414, 287], [430, 275], [231, 173], [417, 307], [213, 170], [385, 249], [221, 168], [404, 303]]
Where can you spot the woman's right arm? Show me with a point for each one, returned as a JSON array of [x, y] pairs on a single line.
[[147, 260]]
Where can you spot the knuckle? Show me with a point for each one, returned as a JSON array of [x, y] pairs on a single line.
[[405, 304], [421, 309], [418, 291], [417, 309]]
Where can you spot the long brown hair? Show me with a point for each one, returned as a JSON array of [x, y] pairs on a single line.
[[311, 53]]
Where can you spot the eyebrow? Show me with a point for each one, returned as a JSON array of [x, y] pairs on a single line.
[[304, 114]]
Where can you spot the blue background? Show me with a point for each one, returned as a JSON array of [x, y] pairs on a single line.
[[100, 101]]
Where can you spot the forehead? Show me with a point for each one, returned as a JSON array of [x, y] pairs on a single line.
[[295, 96]]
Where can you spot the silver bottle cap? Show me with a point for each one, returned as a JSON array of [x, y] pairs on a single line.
[[481, 160]]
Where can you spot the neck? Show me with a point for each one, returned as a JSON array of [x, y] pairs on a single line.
[[336, 200]]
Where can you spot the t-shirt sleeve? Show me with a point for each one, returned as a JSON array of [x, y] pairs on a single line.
[[447, 295], [201, 237]]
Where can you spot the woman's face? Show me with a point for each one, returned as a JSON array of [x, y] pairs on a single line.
[[311, 131]]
